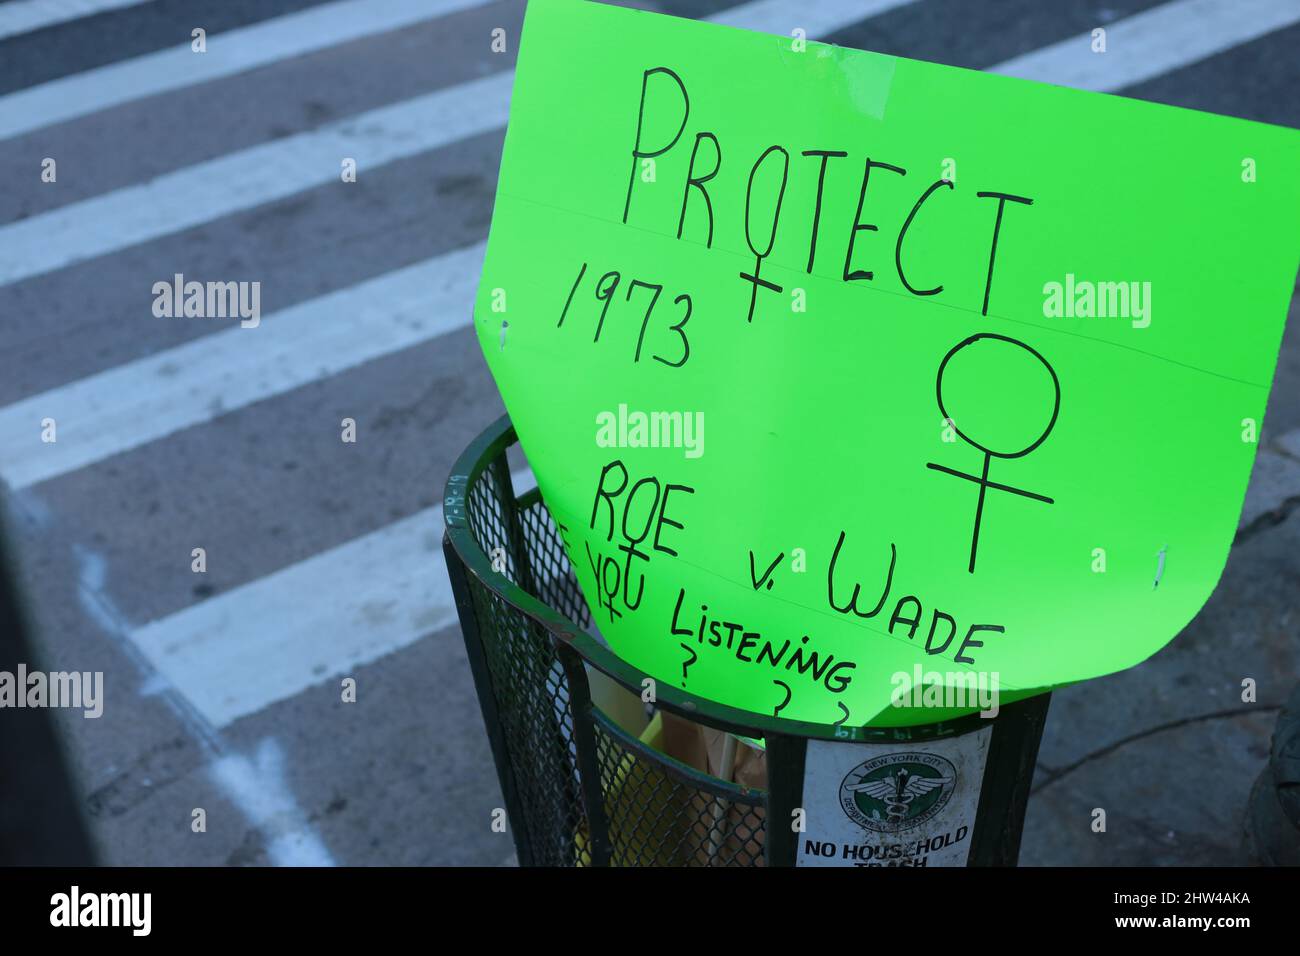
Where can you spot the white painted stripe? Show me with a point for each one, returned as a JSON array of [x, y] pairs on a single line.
[[148, 399], [228, 53], [1145, 45], [817, 20], [26, 16], [324, 617], [260, 788], [248, 178], [197, 194]]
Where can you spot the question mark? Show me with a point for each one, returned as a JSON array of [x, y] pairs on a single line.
[[788, 695], [685, 664]]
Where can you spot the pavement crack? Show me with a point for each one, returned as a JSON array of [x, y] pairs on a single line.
[[1269, 519], [1056, 775]]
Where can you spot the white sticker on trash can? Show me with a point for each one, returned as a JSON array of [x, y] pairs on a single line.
[[892, 804]]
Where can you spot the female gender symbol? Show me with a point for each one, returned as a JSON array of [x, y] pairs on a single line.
[[983, 479]]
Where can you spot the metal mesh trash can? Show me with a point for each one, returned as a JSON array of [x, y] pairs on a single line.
[[580, 790]]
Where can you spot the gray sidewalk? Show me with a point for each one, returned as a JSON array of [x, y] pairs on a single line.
[[1169, 749]]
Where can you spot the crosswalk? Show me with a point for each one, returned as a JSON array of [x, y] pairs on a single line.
[[1156, 41], [227, 54], [279, 633], [249, 178]]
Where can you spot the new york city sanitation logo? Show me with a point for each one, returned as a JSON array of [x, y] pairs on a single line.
[[896, 792]]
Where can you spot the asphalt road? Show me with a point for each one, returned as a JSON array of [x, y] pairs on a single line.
[[233, 175]]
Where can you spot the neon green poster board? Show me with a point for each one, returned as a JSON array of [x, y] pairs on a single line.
[[834, 366]]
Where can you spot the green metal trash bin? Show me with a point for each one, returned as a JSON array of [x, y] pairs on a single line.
[[580, 790]]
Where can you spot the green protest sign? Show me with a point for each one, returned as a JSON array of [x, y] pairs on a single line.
[[837, 369]]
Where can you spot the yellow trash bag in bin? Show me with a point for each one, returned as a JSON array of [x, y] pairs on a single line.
[[655, 819]]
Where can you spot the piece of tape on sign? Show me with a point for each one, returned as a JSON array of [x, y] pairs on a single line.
[[843, 373]]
